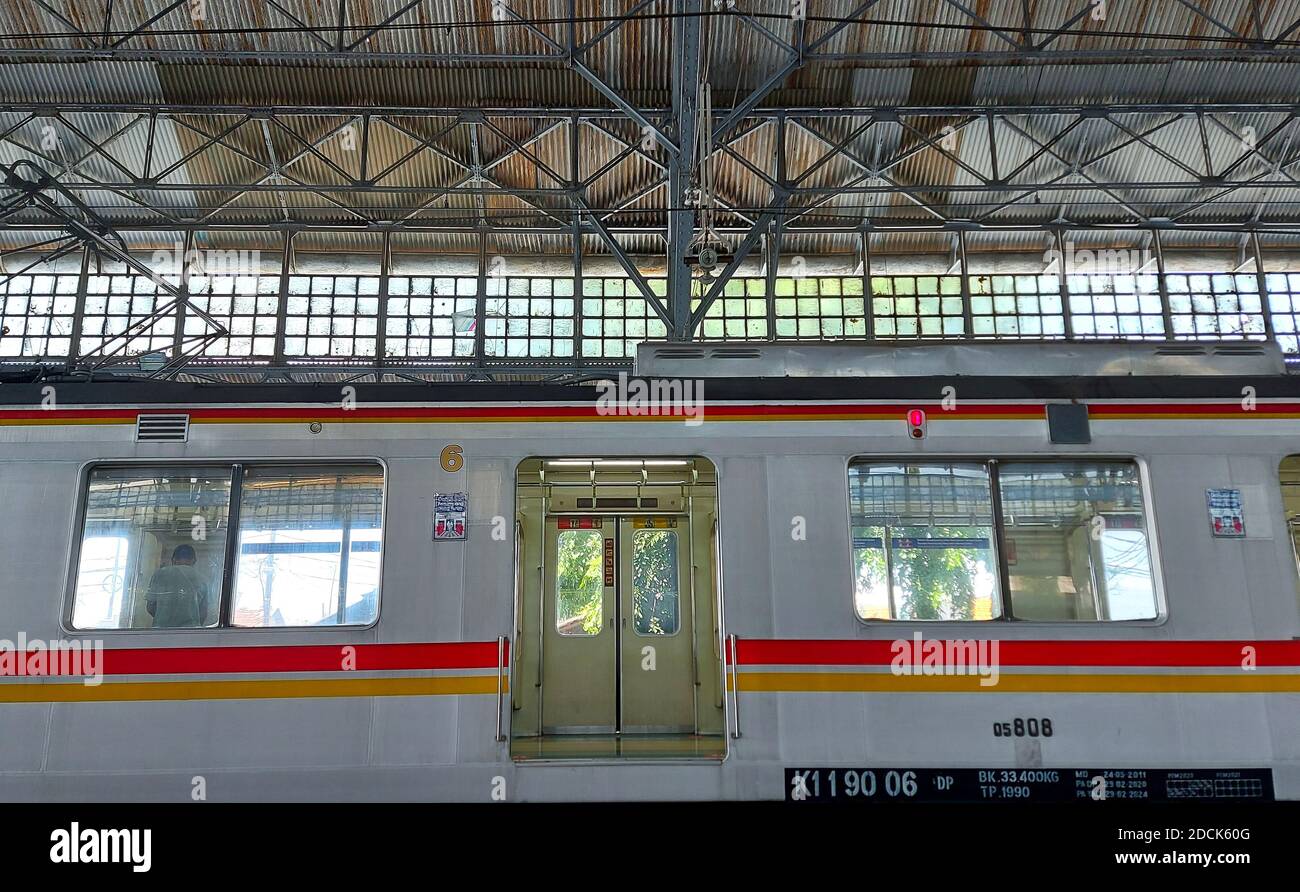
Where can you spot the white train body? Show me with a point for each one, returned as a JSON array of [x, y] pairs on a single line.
[[160, 730]]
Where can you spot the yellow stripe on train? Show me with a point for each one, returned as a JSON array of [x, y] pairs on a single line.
[[268, 689]]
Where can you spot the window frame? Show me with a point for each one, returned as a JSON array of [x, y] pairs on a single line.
[[554, 594], [1006, 618], [226, 594]]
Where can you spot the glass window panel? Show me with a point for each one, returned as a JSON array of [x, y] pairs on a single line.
[[153, 548], [309, 546], [656, 600], [923, 542], [579, 584], [1076, 541]]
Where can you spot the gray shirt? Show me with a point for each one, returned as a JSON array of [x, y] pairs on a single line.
[[179, 597]]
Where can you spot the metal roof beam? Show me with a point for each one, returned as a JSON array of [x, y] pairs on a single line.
[[1251, 52], [849, 227], [593, 113]]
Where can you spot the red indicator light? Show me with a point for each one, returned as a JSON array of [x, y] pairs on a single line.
[[916, 424]]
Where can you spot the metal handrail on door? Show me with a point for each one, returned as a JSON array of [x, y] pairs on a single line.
[[735, 689], [501, 666]]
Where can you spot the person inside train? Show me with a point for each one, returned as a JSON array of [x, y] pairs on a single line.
[[178, 594]]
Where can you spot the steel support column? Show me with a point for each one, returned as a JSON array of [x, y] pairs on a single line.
[[1166, 312], [1067, 323], [381, 325], [79, 309], [681, 216], [282, 308], [869, 318], [967, 315], [1261, 282], [780, 194], [480, 305], [575, 173], [183, 286]]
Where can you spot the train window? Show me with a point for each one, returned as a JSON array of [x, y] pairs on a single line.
[[156, 541], [655, 594], [309, 540], [1076, 541], [579, 587], [923, 542], [1072, 536], [153, 548]]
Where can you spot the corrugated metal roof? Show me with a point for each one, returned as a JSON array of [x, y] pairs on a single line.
[[307, 168]]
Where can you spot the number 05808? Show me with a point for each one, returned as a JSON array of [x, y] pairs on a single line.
[[1023, 728]]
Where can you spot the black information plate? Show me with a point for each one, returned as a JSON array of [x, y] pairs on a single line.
[[1027, 784]]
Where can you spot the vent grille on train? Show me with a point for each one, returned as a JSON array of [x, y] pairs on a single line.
[[678, 353], [710, 353], [1180, 350], [735, 353], [162, 428], [1239, 349], [1228, 349]]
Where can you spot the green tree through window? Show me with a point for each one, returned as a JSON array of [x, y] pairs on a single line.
[[655, 600], [929, 582], [579, 588]]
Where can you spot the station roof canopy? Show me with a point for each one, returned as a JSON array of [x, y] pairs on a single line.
[[538, 121]]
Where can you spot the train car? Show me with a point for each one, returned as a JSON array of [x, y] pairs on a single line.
[[759, 572]]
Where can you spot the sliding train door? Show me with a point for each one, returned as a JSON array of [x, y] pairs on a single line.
[[657, 623], [616, 648], [617, 640], [580, 627]]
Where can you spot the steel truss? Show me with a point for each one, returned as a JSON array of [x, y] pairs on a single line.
[[1030, 156], [1228, 169]]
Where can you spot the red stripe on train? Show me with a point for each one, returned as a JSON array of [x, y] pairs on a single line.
[[301, 658], [416, 413], [749, 651], [772, 652]]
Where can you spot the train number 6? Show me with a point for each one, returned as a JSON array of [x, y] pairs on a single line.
[[451, 459]]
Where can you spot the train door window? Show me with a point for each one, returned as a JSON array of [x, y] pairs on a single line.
[[153, 548], [1289, 472], [579, 584], [656, 597], [1076, 541], [309, 546], [923, 542]]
